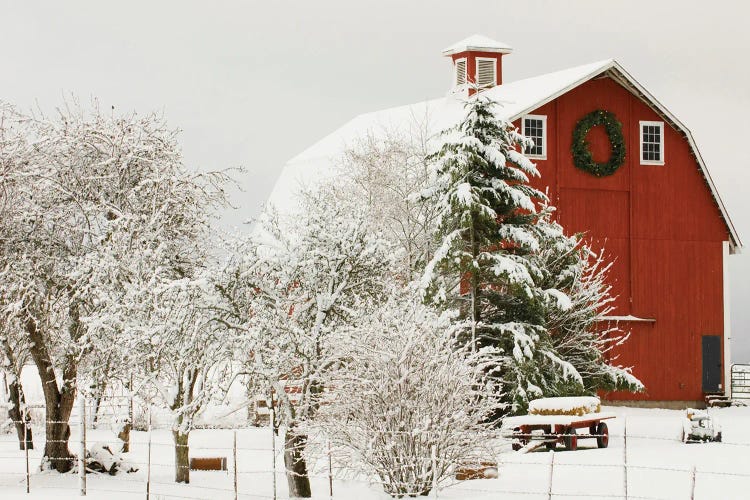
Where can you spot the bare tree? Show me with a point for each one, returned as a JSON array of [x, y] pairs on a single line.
[[382, 170], [295, 283]]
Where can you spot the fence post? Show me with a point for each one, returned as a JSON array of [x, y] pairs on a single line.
[[330, 471], [551, 474], [234, 451], [26, 448], [148, 463], [692, 485], [273, 447], [625, 454], [433, 456], [131, 413], [82, 450]]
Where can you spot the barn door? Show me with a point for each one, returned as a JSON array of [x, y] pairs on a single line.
[[711, 363]]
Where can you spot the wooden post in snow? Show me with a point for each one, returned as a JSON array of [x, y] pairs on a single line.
[[82, 449], [692, 484], [273, 447], [433, 456], [551, 474], [148, 466], [330, 471], [234, 451], [26, 448], [625, 454]]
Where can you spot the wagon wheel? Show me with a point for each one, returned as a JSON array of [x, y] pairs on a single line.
[[519, 442], [592, 429], [570, 439], [602, 440], [551, 444]]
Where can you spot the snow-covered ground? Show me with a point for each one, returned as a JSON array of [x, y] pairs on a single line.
[[660, 466]]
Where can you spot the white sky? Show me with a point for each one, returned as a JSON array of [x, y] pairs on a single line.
[[253, 83]]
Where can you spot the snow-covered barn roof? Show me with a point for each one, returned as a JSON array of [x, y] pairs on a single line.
[[516, 99]]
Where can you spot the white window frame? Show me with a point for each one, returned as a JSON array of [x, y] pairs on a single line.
[[642, 124], [455, 71], [543, 118], [494, 70]]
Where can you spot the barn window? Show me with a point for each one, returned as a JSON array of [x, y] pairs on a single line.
[[460, 71], [535, 127], [652, 143], [486, 76]]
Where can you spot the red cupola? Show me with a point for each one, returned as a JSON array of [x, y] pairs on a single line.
[[477, 60]]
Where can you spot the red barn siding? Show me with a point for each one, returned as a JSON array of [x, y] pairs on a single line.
[[660, 224]]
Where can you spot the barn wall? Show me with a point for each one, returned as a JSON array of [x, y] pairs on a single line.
[[661, 226]]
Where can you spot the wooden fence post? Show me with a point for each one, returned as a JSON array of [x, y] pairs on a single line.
[[330, 471], [234, 450], [625, 454], [148, 466], [433, 456], [551, 474], [26, 448], [692, 485], [82, 449], [273, 447]]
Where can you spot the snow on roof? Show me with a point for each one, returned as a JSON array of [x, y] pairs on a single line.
[[478, 43], [317, 163]]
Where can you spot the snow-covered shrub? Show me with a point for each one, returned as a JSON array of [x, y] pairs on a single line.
[[101, 458], [408, 387]]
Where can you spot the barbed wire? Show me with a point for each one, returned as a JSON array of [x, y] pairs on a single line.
[[408, 465]]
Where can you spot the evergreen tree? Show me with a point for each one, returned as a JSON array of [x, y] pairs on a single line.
[[574, 318], [484, 264]]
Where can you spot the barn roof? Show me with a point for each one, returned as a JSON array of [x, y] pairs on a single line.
[[515, 98]]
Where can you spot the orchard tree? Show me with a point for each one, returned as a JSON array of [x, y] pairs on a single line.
[[91, 192], [487, 215], [183, 354], [291, 287], [380, 171], [14, 352]]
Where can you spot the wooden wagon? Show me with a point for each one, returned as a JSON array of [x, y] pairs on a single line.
[[533, 431]]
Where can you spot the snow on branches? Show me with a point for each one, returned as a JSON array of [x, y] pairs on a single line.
[[410, 389], [292, 286], [92, 194]]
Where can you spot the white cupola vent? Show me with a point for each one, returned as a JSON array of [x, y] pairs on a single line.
[[486, 75], [460, 72]]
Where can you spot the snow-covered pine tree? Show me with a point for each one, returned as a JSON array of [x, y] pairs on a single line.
[[575, 280], [483, 264]]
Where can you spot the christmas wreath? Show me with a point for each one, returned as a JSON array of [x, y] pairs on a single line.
[[582, 153]]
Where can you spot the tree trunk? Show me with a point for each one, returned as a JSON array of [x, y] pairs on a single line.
[[181, 457], [17, 401], [296, 467], [58, 400]]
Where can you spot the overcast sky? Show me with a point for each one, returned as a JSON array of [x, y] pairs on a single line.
[[254, 83]]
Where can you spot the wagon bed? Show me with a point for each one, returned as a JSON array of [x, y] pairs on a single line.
[[532, 431]]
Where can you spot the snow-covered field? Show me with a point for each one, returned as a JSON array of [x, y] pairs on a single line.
[[659, 466]]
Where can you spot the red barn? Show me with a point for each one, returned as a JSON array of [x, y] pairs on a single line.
[[656, 211]]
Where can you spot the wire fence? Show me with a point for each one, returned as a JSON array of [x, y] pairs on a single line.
[[251, 463]]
